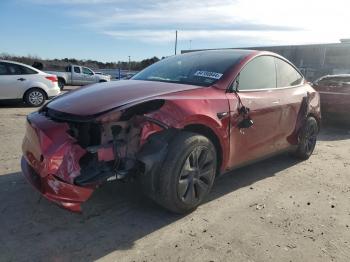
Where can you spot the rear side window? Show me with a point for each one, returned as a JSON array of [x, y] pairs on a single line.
[[3, 69], [259, 73], [286, 74], [15, 69], [77, 70]]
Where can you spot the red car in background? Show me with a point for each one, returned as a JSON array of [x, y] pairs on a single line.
[[335, 95], [174, 127]]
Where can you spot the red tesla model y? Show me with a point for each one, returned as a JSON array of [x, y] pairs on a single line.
[[173, 127]]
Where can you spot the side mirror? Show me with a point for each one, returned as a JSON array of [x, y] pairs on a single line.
[[245, 123]]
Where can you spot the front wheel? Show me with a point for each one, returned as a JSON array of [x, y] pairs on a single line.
[[307, 139], [188, 172]]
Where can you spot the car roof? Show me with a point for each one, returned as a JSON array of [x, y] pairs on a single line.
[[242, 52]]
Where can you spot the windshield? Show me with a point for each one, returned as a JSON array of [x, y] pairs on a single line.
[[197, 68]]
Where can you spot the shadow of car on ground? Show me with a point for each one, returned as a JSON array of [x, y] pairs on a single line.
[[115, 217]]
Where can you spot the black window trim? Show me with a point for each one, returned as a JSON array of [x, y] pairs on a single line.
[[229, 89]]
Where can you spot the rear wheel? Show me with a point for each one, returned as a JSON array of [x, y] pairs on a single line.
[[61, 83], [307, 139], [187, 174], [35, 97]]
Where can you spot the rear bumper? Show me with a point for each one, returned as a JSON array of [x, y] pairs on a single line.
[[63, 194], [52, 92]]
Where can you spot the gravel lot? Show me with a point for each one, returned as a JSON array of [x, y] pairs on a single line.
[[276, 210]]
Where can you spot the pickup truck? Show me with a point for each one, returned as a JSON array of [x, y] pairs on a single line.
[[78, 75]]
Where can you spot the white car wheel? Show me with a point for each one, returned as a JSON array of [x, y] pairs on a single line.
[[35, 97]]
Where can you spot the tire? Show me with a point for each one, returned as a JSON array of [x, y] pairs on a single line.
[[61, 83], [307, 139], [187, 174], [35, 97], [102, 81]]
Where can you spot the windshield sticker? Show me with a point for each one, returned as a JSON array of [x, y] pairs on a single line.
[[207, 74]]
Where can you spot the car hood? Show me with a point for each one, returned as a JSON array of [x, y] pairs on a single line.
[[98, 98]]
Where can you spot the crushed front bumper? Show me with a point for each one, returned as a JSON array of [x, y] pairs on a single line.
[[65, 195], [50, 162]]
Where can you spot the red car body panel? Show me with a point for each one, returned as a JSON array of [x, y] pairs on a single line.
[[52, 155], [113, 94], [188, 108]]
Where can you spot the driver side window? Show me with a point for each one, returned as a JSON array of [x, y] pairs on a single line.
[[260, 73], [15, 69], [3, 69]]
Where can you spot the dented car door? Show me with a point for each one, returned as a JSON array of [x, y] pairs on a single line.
[[255, 89]]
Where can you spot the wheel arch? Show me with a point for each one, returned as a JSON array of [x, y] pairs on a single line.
[[62, 78], [211, 135]]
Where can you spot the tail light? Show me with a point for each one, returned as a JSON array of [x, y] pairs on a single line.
[[52, 78]]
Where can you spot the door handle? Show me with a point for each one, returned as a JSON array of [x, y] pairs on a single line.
[[21, 79], [222, 115], [276, 102]]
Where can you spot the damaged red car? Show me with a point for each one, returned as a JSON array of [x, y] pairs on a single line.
[[173, 127], [334, 91]]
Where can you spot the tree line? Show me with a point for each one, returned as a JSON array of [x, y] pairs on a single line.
[[60, 64]]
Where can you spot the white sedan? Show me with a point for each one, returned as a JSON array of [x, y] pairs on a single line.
[[25, 83]]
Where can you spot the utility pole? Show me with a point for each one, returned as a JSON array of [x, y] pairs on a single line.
[[175, 42], [119, 72], [129, 64]]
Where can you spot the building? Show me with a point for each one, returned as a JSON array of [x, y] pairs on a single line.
[[313, 60]]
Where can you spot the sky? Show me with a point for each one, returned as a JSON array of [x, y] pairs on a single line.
[[112, 30]]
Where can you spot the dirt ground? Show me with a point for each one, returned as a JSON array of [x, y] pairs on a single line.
[[276, 210]]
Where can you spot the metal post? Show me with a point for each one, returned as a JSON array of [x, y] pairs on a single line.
[[175, 42], [324, 56], [129, 64]]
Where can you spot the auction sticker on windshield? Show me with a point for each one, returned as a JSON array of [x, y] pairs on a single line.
[[207, 74]]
